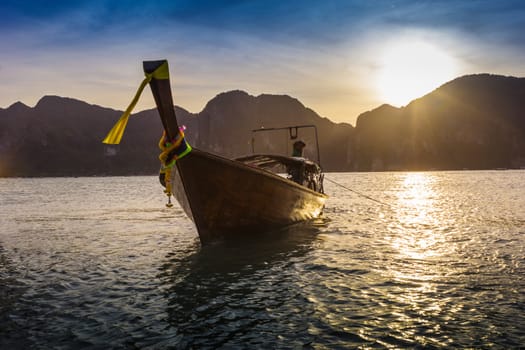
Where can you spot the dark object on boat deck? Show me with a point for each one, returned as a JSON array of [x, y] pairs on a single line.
[[298, 147], [227, 197]]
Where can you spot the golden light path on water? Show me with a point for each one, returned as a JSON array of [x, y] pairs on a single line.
[[418, 239], [416, 217]]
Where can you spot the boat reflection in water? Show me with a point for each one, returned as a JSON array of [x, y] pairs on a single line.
[[228, 292]]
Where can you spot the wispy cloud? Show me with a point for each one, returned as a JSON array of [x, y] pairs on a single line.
[[322, 52]]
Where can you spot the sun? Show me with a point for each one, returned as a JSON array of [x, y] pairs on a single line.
[[409, 70]]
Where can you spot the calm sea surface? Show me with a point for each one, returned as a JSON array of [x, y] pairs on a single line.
[[100, 263]]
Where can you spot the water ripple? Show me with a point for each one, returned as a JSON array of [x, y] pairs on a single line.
[[100, 263]]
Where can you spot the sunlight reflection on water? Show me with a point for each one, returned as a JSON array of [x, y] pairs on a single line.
[[417, 217], [100, 262], [434, 260]]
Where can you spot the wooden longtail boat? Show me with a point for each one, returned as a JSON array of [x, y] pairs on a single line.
[[225, 197]]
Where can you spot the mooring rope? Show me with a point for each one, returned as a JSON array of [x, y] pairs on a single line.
[[358, 193]]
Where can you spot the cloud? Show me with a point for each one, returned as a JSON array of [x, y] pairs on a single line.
[[306, 48]]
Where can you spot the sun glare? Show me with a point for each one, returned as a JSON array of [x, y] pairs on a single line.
[[410, 70], [416, 217]]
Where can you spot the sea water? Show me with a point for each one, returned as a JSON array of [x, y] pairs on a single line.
[[435, 260]]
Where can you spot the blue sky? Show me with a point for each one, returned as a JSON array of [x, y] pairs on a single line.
[[340, 58]]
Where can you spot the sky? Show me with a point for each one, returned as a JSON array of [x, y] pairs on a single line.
[[338, 57]]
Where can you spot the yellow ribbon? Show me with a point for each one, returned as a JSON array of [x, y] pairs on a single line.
[[115, 134]]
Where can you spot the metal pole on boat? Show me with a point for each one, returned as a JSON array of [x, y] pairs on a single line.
[[292, 136], [317, 145]]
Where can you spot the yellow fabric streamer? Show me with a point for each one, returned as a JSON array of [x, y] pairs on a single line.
[[115, 134]]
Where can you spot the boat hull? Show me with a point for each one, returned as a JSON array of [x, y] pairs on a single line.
[[228, 198]]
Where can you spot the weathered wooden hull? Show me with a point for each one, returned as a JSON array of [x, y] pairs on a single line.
[[226, 198]]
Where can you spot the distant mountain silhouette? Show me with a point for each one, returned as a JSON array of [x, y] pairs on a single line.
[[225, 124], [62, 136], [474, 122]]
